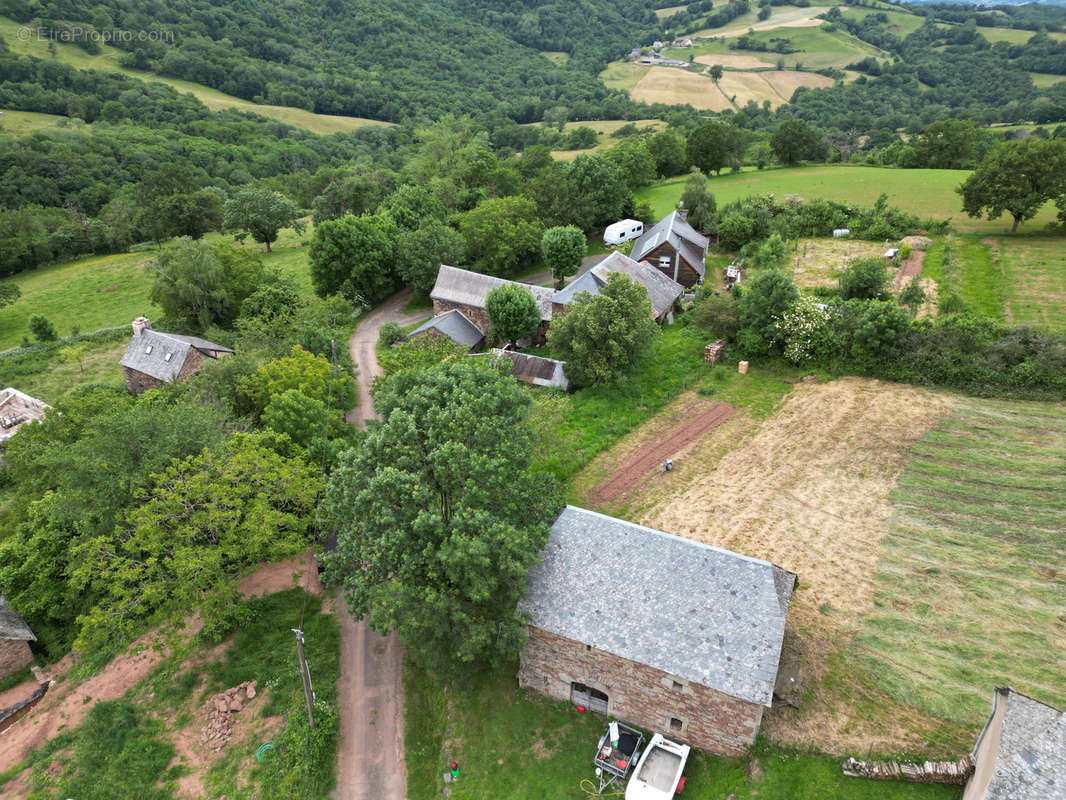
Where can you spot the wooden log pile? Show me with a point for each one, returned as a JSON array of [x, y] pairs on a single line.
[[713, 351], [953, 772]]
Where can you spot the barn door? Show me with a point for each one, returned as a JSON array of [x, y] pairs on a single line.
[[592, 699]]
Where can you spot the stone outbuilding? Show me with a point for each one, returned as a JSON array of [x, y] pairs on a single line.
[[546, 372], [452, 325], [15, 638], [675, 248], [1021, 752], [466, 291], [666, 633], [154, 358]]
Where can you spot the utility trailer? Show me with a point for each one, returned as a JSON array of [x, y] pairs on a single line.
[[658, 772], [617, 752]]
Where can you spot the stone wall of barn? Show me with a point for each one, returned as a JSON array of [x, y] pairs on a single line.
[[193, 360], [14, 655], [686, 274], [137, 381], [480, 318], [640, 695]]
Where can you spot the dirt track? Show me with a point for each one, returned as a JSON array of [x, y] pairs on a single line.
[[644, 461], [908, 269]]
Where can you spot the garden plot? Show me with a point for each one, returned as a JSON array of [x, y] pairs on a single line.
[[818, 262]]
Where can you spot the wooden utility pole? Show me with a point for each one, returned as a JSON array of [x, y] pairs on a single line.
[[309, 695]]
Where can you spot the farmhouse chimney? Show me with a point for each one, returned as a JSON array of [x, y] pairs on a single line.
[[140, 324]]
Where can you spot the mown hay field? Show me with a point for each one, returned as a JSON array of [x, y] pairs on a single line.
[[673, 85]]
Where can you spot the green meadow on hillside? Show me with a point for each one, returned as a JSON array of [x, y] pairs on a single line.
[[107, 60], [20, 122], [925, 192]]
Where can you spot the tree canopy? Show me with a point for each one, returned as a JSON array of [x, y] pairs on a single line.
[[198, 285], [563, 247], [261, 213], [356, 256], [1017, 177], [438, 518], [513, 312]]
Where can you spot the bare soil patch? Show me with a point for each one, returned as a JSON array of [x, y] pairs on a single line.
[[909, 269], [646, 460], [818, 262]]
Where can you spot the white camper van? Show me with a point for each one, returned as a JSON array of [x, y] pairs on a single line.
[[624, 231]]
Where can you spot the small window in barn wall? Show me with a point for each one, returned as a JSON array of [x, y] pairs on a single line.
[[678, 686], [676, 725], [588, 647]]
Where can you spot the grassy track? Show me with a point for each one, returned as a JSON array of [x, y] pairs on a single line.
[[514, 744], [925, 192], [972, 583], [107, 60], [965, 266], [1035, 279]]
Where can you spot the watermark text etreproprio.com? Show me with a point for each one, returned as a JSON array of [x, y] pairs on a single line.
[[75, 34]]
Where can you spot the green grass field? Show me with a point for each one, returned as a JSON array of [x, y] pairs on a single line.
[[925, 192], [1012, 36], [623, 75], [1043, 81], [22, 40], [1035, 279], [972, 582], [899, 22], [20, 122], [818, 48], [965, 266], [514, 744]]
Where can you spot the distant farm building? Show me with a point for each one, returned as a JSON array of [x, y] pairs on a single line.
[[453, 325], [675, 248], [16, 409], [466, 291], [538, 371], [154, 358], [1021, 753], [15, 638], [662, 291], [659, 631]]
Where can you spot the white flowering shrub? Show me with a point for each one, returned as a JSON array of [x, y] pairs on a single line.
[[799, 326]]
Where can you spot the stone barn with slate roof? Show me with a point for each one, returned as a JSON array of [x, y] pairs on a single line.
[[662, 291], [453, 325], [15, 638], [154, 358], [466, 291], [1021, 753], [662, 632], [536, 370], [675, 248]]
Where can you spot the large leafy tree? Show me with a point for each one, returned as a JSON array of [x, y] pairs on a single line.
[[714, 146], [420, 252], [200, 285], [502, 234], [601, 336], [203, 522], [513, 312], [261, 213], [563, 247], [1016, 177], [311, 375], [764, 300], [600, 191], [794, 141], [356, 256], [700, 203], [438, 518]]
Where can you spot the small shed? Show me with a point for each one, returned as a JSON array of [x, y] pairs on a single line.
[[15, 638], [16, 409], [454, 325], [536, 370]]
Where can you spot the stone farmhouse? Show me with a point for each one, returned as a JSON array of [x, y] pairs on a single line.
[[15, 638], [663, 292], [663, 632], [675, 248], [1021, 752], [465, 291], [154, 358], [17, 409]]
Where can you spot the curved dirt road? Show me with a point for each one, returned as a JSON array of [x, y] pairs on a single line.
[[370, 758]]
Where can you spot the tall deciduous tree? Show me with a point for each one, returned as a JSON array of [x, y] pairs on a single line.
[[715, 146], [513, 312], [502, 234], [261, 213], [201, 285], [794, 141], [764, 300], [602, 336], [438, 518], [355, 256], [420, 252], [1017, 177], [563, 247], [700, 203]]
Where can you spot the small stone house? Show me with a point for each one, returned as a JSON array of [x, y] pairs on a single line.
[[15, 638], [154, 358], [662, 632], [1021, 752], [662, 291], [466, 291], [675, 248], [453, 325]]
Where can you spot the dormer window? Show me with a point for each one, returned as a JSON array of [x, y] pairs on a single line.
[[167, 356], [148, 350]]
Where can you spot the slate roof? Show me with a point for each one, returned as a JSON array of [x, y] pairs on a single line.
[[12, 626], [662, 291], [455, 325], [682, 237], [698, 612], [148, 353], [1031, 759], [466, 288], [535, 369]]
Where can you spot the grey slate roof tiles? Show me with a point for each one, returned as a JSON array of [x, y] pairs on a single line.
[[12, 626], [1031, 760], [698, 612], [662, 291], [455, 325], [466, 288], [162, 355], [682, 237]]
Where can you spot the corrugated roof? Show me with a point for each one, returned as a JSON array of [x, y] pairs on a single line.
[[162, 355], [699, 612], [12, 626], [466, 288], [683, 238], [455, 325], [1031, 759], [535, 369]]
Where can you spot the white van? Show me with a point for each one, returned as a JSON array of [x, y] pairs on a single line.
[[623, 231]]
